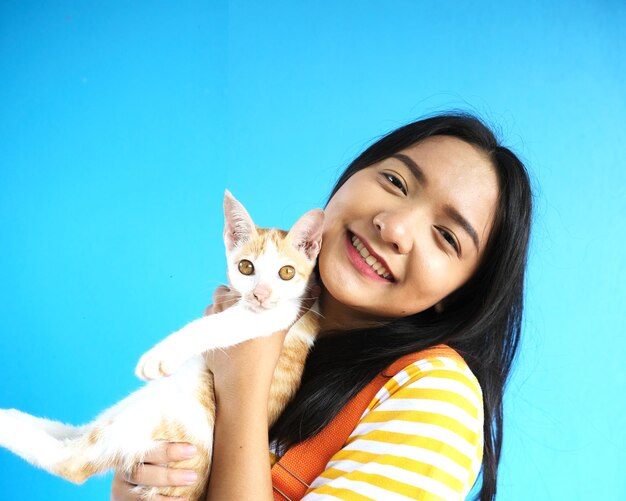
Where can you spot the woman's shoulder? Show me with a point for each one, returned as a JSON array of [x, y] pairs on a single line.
[[421, 436], [440, 369]]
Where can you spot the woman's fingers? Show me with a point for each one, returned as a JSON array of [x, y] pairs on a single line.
[[121, 490], [161, 476], [153, 472], [220, 292], [170, 452], [223, 298]]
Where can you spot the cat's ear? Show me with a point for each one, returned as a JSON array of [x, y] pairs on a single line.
[[238, 225], [306, 233]]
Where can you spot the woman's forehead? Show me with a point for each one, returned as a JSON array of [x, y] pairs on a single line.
[[448, 152]]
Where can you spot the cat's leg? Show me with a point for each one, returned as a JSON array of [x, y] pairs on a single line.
[[75, 453], [56, 429], [228, 328], [179, 409], [67, 451], [42, 442]]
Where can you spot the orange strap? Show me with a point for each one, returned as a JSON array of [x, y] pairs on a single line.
[[303, 463]]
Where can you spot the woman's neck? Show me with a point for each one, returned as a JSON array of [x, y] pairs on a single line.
[[336, 316]]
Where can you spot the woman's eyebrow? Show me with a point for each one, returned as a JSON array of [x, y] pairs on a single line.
[[413, 167], [449, 210], [464, 223]]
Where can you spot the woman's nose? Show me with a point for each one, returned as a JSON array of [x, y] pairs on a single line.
[[394, 229]]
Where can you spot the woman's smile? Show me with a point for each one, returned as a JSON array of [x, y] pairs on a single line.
[[366, 260]]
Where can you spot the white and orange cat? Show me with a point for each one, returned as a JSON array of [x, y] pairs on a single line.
[[271, 269]]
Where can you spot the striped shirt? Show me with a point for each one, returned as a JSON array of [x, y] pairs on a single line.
[[421, 437]]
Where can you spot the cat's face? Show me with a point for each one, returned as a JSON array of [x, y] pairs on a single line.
[[267, 266], [267, 269]]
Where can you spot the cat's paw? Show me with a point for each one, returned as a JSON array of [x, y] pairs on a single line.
[[159, 362], [149, 367]]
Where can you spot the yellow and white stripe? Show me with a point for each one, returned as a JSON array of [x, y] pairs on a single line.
[[420, 438]]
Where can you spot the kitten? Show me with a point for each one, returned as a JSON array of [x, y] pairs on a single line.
[[271, 269]]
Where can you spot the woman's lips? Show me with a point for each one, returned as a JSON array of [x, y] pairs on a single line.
[[359, 262]]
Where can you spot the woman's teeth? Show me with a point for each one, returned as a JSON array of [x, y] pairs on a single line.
[[369, 259]]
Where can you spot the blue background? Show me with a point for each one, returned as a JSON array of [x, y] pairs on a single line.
[[121, 124]]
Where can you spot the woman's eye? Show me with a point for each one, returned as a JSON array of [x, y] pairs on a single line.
[[246, 267], [395, 181], [449, 238]]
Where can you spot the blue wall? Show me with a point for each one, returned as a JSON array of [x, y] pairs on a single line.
[[122, 123]]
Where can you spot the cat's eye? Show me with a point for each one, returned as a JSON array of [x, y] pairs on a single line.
[[246, 267], [287, 272]]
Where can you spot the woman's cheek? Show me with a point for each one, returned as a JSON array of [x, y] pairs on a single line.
[[332, 274], [432, 281]]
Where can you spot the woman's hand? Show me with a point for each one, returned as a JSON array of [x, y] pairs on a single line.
[[152, 472], [223, 298]]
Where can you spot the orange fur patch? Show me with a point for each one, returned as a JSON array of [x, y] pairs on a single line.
[[77, 470], [290, 366], [200, 463]]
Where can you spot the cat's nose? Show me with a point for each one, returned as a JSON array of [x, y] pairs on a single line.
[[261, 292]]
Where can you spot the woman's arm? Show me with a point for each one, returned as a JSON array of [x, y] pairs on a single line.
[[241, 465], [242, 377]]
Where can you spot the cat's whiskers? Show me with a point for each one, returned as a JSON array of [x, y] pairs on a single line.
[[232, 300], [228, 302], [304, 310]]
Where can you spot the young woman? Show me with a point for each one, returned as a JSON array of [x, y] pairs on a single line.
[[444, 213]]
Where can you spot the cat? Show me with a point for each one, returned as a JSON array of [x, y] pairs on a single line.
[[272, 270]]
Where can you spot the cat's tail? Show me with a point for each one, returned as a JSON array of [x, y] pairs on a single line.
[[58, 448]]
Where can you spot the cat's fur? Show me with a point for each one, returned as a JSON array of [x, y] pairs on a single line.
[[181, 407]]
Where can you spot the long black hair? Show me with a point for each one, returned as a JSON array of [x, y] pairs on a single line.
[[481, 320]]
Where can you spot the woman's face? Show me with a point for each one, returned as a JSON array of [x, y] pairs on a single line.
[[402, 234]]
